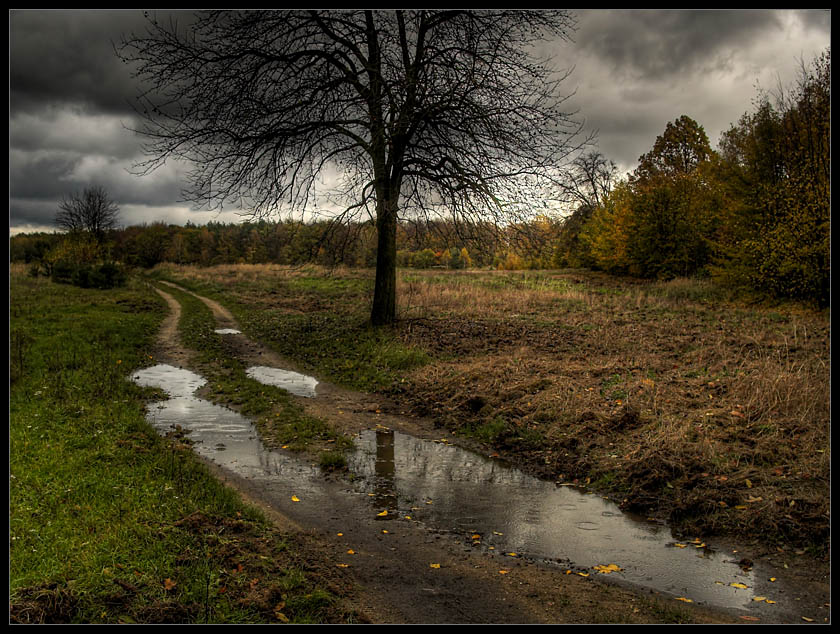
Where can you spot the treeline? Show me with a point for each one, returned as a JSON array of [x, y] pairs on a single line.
[[420, 245], [755, 214]]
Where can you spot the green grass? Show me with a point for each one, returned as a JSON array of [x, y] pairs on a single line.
[[336, 345], [97, 500], [279, 418]]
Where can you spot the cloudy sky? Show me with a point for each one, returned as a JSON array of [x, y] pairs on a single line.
[[634, 71]]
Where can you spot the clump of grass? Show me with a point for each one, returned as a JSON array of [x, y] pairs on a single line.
[[333, 461]]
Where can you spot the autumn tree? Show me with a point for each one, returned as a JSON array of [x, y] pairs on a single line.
[[777, 174], [406, 114], [673, 215]]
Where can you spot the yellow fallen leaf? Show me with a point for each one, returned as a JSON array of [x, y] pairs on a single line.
[[295, 498], [583, 574], [384, 532], [476, 536], [434, 565], [759, 598], [351, 552], [738, 585], [607, 569], [340, 534], [805, 618], [343, 565], [512, 555], [169, 584], [769, 601], [684, 599], [678, 545], [383, 513], [503, 572], [772, 578]]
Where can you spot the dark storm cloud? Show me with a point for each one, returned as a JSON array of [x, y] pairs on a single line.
[[657, 43], [70, 114], [62, 57]]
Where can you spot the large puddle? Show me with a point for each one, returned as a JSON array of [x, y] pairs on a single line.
[[497, 507]]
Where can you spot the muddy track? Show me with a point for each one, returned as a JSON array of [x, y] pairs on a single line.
[[411, 574]]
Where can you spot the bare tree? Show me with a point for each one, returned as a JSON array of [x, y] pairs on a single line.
[[91, 211], [393, 114], [590, 179]]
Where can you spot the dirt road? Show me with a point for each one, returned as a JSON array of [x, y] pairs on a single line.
[[404, 572]]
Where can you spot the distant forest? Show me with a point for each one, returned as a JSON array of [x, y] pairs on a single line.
[[753, 214]]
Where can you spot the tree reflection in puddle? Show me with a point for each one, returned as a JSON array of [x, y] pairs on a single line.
[[451, 489]]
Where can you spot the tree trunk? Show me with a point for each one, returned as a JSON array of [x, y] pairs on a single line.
[[384, 311]]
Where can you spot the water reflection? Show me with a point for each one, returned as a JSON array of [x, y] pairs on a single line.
[[447, 488], [298, 384]]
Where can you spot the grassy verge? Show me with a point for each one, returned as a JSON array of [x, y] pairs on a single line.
[[673, 397], [281, 421], [318, 320], [110, 522]]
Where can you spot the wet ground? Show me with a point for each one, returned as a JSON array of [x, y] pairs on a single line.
[[416, 505]]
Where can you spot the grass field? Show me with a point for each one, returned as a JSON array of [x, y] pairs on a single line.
[[109, 522], [672, 397]]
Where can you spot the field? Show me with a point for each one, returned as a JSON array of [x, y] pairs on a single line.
[[671, 397], [674, 399]]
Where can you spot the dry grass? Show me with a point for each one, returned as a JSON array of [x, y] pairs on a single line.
[[666, 394], [716, 412]]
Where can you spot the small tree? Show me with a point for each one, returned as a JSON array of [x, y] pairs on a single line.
[[91, 212]]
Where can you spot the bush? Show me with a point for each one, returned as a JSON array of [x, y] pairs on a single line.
[[102, 276]]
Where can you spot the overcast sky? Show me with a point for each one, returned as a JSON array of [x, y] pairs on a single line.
[[634, 71]]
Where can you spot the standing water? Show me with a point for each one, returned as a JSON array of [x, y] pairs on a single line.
[[447, 488]]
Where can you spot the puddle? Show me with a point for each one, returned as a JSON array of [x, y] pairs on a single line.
[[298, 384], [227, 331], [452, 490], [447, 487]]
